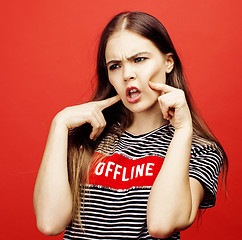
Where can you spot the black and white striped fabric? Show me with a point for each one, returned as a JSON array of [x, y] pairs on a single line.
[[119, 185]]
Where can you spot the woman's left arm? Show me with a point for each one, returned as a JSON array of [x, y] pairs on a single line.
[[174, 198]]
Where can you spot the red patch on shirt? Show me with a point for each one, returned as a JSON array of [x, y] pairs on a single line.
[[120, 172]]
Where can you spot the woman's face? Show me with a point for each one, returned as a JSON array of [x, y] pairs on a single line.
[[132, 61]]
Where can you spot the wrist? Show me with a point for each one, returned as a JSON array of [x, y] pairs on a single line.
[[186, 130], [59, 123]]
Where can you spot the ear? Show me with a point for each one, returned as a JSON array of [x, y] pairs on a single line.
[[169, 62]]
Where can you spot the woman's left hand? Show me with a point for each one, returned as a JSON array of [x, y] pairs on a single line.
[[173, 105]]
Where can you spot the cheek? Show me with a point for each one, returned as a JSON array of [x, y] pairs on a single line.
[[111, 79], [154, 73], [158, 76], [116, 85]]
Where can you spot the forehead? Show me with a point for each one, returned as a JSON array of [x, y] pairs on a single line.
[[124, 44]]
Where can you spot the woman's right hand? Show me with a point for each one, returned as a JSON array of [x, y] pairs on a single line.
[[90, 112]]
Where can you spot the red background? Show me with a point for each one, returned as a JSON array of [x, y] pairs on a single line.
[[47, 57]]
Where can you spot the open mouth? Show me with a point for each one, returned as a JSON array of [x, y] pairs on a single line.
[[133, 94]]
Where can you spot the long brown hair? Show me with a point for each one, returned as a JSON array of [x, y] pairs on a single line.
[[81, 148]]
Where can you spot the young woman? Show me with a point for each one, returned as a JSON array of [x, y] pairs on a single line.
[[137, 162]]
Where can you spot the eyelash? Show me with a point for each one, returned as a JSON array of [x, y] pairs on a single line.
[[113, 67], [136, 60], [139, 59]]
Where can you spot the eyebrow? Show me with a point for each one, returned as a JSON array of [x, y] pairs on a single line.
[[129, 58]]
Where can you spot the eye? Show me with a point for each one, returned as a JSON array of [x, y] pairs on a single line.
[[113, 67], [139, 59]]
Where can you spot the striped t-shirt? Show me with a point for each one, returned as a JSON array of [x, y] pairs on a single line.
[[119, 185]]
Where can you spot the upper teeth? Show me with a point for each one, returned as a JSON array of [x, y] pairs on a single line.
[[133, 90]]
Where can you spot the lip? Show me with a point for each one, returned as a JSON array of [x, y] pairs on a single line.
[[133, 99]]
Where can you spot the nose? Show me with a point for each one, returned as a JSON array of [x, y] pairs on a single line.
[[129, 73]]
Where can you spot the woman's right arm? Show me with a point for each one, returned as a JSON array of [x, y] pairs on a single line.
[[52, 194]]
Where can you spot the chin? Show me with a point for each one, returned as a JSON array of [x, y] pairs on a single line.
[[135, 107]]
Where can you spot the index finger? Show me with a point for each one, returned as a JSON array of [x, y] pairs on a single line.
[[161, 87], [108, 102]]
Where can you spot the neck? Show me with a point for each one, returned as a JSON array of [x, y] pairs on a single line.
[[145, 122]]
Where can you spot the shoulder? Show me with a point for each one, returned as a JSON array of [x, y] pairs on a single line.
[[208, 152], [207, 158], [205, 166]]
